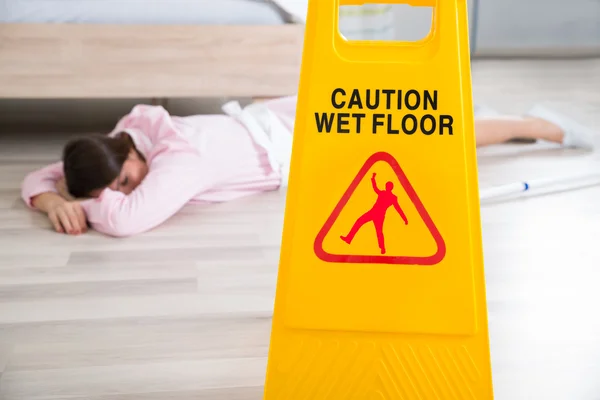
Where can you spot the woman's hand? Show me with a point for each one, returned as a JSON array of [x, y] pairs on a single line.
[[68, 217], [65, 213]]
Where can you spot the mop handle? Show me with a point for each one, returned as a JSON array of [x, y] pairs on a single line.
[[526, 186]]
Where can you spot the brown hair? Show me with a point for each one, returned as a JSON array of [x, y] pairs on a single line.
[[93, 162]]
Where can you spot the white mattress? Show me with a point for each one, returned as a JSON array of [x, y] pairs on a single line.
[[192, 12]]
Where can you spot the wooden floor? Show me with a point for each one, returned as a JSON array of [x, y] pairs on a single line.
[[183, 312]]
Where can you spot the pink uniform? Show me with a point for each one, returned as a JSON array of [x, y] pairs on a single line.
[[203, 158]]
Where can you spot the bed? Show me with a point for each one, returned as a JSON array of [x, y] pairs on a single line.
[[148, 48]]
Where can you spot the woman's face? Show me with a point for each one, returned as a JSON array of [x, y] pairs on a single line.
[[132, 174]]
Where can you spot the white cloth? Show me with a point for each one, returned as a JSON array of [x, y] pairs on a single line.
[[298, 9], [268, 132]]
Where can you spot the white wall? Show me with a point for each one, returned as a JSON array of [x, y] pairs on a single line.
[[518, 27], [539, 27], [412, 23]]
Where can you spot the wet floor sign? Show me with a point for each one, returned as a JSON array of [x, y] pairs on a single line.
[[381, 292]]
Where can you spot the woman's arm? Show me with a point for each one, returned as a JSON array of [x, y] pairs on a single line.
[[39, 187], [41, 190], [46, 201], [66, 216], [173, 180]]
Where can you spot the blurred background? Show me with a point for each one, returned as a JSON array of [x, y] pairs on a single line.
[[184, 312], [540, 30]]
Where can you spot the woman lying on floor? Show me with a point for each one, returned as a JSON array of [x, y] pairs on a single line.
[[152, 164]]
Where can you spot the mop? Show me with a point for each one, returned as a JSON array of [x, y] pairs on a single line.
[[539, 186]]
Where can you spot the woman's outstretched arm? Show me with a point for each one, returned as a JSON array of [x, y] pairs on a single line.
[[174, 179], [538, 123], [489, 131]]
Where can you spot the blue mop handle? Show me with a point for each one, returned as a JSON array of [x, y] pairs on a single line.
[[571, 181]]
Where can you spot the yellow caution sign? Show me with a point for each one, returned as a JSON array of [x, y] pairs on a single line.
[[381, 291]]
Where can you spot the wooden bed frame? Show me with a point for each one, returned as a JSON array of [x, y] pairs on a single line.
[[132, 61]]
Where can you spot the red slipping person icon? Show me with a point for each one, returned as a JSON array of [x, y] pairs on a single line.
[[385, 199]]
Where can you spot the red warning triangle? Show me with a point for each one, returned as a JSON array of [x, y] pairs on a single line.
[[388, 199]]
